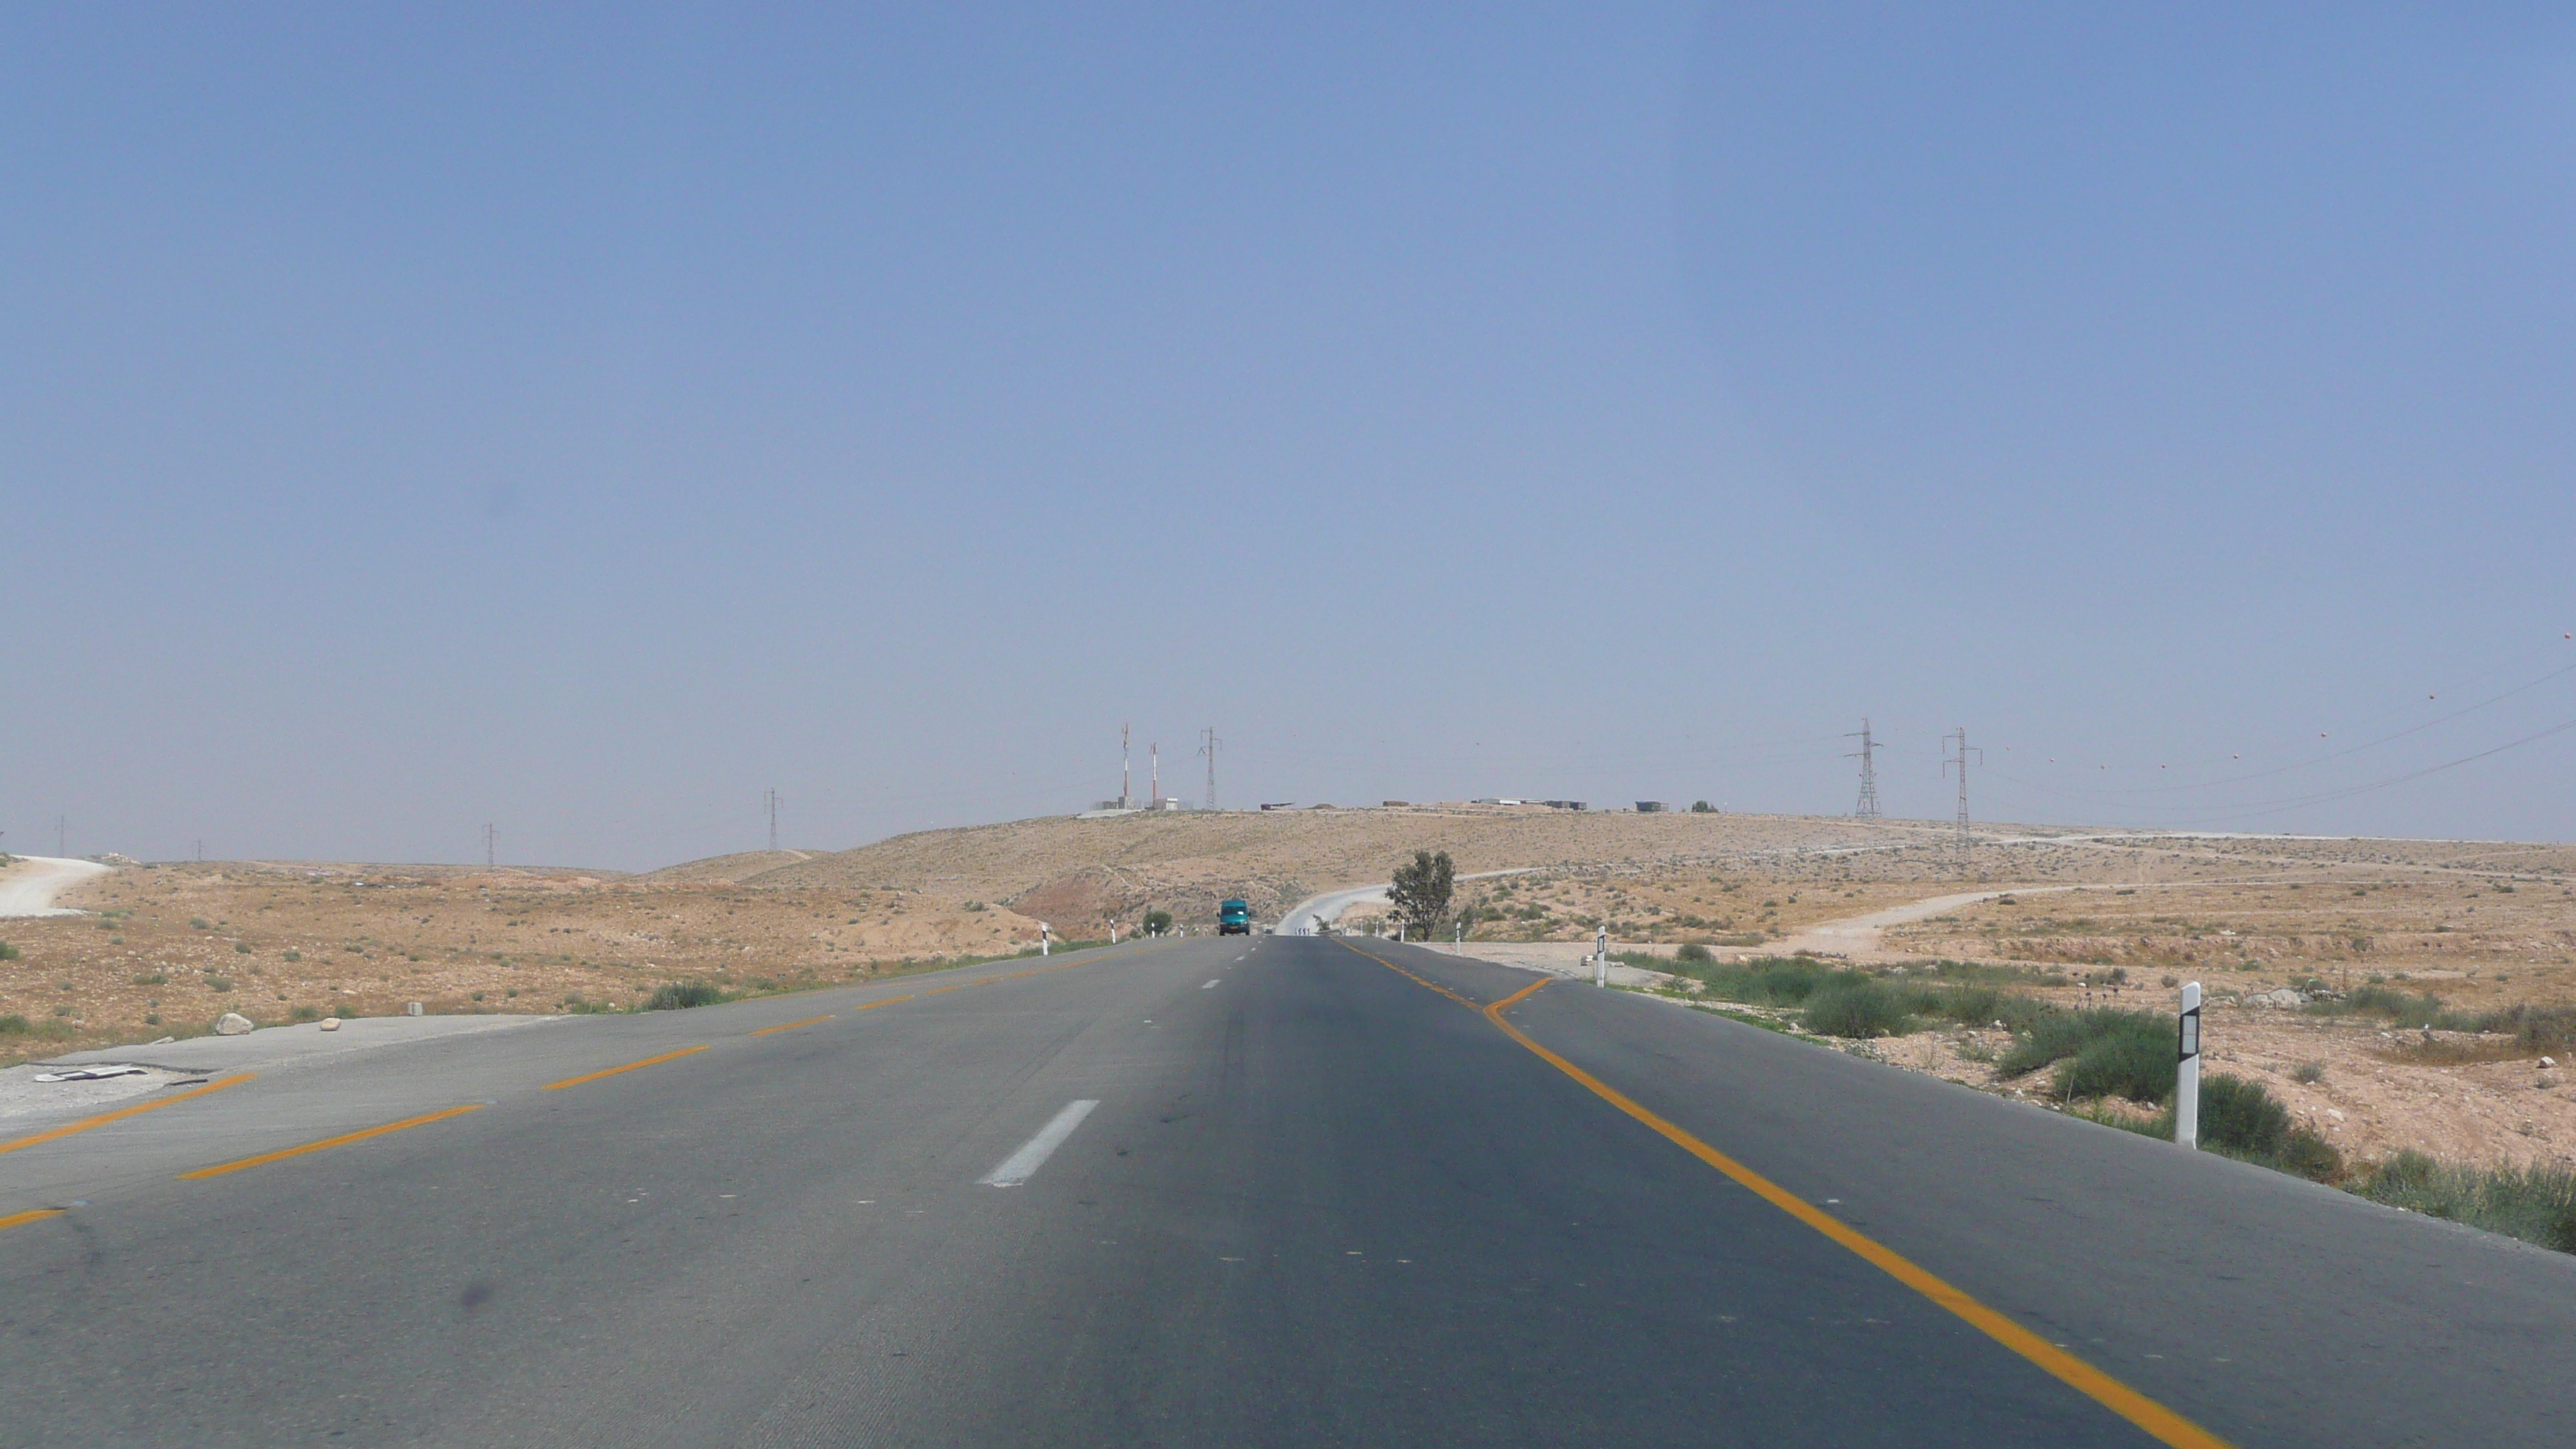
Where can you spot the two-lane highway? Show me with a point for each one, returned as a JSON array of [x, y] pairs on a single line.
[[1282, 1191]]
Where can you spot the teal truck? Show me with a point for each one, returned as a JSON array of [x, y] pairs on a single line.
[[1233, 918]]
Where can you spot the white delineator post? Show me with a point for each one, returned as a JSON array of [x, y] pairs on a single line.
[[2187, 1069], [1601, 955], [1043, 943]]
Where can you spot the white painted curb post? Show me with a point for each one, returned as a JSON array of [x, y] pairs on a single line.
[[1601, 955], [1043, 943], [2187, 1072]]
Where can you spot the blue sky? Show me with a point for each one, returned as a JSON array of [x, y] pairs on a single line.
[[585, 419]]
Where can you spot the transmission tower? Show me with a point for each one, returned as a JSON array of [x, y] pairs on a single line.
[[1868, 808], [1123, 768], [1209, 749], [487, 845], [773, 802], [1960, 742]]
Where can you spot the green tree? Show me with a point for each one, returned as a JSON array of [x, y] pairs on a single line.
[[1420, 894], [1158, 923]]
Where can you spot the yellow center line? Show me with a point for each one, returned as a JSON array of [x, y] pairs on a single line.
[[341, 1141], [630, 1066], [120, 1114], [791, 1026], [30, 1216], [2164, 1424], [889, 1001]]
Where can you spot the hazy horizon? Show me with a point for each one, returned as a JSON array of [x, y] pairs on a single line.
[[583, 421]]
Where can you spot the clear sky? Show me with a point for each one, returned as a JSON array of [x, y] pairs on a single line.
[[584, 419]]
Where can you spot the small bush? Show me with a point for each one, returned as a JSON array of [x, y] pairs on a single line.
[[305, 1013], [8, 952], [197, 922], [242, 947], [2057, 1035], [13, 1025], [2310, 1073], [1857, 1007], [218, 983], [2131, 1061], [294, 955], [151, 1018], [2537, 1204], [2239, 1118], [1694, 953], [345, 1013], [679, 996], [151, 978]]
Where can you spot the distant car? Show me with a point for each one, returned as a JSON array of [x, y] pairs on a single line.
[[1234, 918]]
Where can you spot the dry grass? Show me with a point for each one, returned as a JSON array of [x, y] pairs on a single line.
[[366, 940]]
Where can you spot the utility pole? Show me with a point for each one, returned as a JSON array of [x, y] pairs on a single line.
[[1868, 808], [201, 850], [1960, 740], [487, 846], [1124, 799], [774, 802], [62, 831], [1209, 750], [1154, 753]]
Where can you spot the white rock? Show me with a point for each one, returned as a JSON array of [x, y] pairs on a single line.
[[2549, 1061], [330, 1023], [233, 1023], [415, 1008]]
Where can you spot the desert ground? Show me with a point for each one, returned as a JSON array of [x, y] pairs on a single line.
[[2089, 916]]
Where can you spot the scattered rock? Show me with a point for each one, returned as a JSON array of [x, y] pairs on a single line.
[[2549, 1061], [415, 1008], [330, 1023], [2289, 996], [233, 1023]]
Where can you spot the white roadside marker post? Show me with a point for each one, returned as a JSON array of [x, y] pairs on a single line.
[[1043, 942], [1601, 955], [2187, 1069], [1457, 936]]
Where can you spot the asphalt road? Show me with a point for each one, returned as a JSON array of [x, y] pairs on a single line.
[[1318, 1201]]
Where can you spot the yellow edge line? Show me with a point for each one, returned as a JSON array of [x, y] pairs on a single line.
[[791, 1026], [630, 1066], [30, 1216], [2163, 1423], [120, 1114], [341, 1141]]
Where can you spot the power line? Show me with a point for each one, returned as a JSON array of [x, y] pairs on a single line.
[[1868, 808], [1960, 760]]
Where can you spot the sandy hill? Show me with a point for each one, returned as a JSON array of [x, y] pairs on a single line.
[[1083, 874]]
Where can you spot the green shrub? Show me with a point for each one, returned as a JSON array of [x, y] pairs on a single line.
[[2134, 1060], [197, 922], [681, 995], [1695, 954], [8, 952], [2240, 1118], [1856, 1007], [218, 983], [2536, 1204], [305, 1013], [293, 955], [13, 1025], [2057, 1035], [151, 978], [243, 947]]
